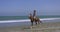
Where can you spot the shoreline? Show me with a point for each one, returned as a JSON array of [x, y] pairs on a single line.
[[25, 23], [42, 27]]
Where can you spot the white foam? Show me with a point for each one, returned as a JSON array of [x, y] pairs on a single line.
[[26, 20], [49, 18]]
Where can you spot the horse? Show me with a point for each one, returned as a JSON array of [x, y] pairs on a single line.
[[36, 20]]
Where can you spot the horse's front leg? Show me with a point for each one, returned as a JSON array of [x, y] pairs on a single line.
[[31, 23], [36, 22]]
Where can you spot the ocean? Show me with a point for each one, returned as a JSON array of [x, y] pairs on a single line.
[[23, 17], [7, 21]]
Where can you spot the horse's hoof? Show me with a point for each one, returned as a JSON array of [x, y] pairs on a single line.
[[31, 27]]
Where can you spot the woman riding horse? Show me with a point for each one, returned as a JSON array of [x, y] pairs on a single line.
[[34, 18]]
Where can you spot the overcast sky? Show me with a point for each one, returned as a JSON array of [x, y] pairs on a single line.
[[24, 7]]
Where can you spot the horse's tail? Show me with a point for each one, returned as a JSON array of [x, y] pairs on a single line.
[[40, 21]]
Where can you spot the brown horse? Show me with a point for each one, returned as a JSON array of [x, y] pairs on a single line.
[[36, 20]]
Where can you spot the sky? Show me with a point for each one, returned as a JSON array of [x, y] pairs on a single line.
[[24, 7]]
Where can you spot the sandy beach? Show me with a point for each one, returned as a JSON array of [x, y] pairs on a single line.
[[44, 27]]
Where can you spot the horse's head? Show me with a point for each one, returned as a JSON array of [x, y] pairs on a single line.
[[30, 16]]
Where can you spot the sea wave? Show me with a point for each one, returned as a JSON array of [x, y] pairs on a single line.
[[26, 20]]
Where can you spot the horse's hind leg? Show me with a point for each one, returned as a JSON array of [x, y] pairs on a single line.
[[38, 22]]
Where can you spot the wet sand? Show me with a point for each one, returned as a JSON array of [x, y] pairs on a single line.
[[44, 27]]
